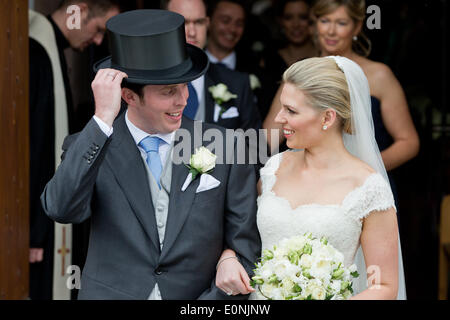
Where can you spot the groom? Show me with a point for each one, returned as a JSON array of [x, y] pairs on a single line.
[[149, 239]]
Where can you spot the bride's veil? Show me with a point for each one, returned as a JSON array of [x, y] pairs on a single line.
[[362, 144]]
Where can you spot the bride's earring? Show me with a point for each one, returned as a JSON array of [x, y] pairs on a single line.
[[325, 127], [355, 38]]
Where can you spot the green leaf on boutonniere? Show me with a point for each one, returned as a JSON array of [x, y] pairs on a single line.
[[222, 110], [193, 172]]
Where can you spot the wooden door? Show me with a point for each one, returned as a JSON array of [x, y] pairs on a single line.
[[14, 150]]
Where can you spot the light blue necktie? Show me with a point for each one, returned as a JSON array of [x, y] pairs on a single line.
[[151, 147]]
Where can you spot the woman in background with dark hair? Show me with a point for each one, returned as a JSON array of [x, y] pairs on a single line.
[[294, 20], [293, 17], [338, 28]]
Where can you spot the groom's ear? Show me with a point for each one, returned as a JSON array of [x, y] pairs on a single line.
[[130, 97]]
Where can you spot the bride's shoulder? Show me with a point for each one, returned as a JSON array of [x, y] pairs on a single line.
[[371, 185], [372, 193], [285, 157], [274, 161], [360, 171]]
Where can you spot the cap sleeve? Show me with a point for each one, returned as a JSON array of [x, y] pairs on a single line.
[[267, 172], [374, 195]]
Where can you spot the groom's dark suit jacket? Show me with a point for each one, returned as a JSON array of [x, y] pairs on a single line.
[[239, 84], [105, 179]]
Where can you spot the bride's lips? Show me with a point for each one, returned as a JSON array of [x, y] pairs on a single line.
[[288, 133], [175, 116]]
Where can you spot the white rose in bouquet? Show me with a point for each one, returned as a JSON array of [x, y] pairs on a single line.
[[303, 268]]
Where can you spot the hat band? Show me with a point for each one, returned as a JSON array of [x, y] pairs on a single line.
[[173, 72]]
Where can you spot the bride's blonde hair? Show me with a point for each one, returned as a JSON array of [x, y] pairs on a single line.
[[324, 85]]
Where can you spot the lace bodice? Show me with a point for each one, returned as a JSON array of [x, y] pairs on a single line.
[[341, 224]]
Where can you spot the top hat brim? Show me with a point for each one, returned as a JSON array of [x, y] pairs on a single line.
[[193, 68]]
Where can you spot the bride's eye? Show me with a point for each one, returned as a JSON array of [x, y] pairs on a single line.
[[290, 111]]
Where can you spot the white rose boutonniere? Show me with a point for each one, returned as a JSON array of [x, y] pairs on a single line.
[[220, 95], [254, 82], [202, 161]]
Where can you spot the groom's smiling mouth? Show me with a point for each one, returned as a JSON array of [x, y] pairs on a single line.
[[175, 115]]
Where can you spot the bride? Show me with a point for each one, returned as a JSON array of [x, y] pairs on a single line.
[[332, 181]]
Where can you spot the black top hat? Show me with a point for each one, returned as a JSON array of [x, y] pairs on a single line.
[[150, 47]]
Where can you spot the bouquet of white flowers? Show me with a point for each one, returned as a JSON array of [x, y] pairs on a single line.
[[303, 268]]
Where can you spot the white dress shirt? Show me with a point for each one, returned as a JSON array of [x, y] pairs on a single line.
[[229, 60], [199, 87]]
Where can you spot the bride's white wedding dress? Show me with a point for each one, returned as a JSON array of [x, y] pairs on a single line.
[[340, 223]]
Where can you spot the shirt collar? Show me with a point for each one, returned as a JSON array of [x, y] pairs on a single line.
[[139, 134], [229, 60], [198, 85]]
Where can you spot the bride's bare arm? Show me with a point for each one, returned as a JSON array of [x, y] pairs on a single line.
[[379, 241]]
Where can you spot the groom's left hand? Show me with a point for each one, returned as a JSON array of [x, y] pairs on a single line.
[[232, 278]]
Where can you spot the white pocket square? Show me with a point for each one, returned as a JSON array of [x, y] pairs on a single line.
[[231, 112], [207, 182]]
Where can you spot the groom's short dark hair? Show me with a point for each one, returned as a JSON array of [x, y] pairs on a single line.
[[137, 88]]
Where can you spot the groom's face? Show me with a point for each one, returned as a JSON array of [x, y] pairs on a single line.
[[160, 108]]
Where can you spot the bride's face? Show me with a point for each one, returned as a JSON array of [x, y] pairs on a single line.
[[301, 122]]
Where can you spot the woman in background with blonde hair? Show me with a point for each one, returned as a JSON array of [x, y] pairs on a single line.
[[338, 25]]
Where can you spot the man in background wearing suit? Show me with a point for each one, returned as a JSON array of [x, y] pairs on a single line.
[[241, 112]]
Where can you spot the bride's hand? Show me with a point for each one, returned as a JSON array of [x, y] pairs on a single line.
[[231, 276]]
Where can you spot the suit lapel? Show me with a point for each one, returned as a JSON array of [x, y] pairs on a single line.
[[180, 203], [128, 167]]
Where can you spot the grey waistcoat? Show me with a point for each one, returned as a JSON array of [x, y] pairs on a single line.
[[160, 199]]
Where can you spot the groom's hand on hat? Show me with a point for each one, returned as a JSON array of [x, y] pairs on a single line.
[[107, 94]]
